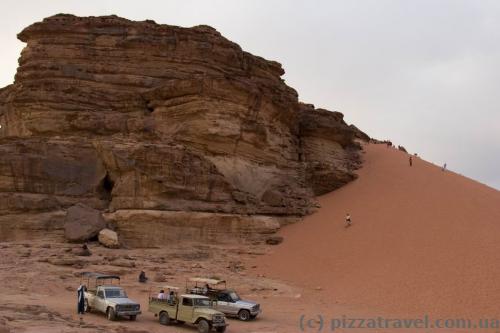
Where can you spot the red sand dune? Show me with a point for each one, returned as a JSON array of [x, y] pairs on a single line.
[[422, 241]]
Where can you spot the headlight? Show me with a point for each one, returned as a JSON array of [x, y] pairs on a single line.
[[117, 308], [137, 307]]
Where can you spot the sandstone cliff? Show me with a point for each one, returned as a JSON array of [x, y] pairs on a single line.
[[155, 124]]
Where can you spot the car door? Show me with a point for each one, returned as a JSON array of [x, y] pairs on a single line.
[[185, 310], [224, 303], [100, 301]]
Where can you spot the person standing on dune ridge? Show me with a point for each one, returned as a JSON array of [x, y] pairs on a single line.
[[348, 221], [444, 167], [410, 160]]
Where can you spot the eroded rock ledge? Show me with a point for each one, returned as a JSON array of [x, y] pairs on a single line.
[[137, 116]]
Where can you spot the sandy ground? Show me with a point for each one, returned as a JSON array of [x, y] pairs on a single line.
[[38, 281], [423, 242]]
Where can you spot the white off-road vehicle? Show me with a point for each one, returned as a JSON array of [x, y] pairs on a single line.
[[103, 296], [225, 300]]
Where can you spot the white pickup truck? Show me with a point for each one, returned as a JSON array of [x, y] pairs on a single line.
[[108, 298]]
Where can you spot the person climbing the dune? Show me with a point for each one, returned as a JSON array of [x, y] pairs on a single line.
[[410, 160], [348, 221]]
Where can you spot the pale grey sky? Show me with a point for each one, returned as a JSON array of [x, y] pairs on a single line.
[[423, 73]]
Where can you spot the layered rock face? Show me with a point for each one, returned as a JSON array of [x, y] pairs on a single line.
[[327, 148], [122, 115]]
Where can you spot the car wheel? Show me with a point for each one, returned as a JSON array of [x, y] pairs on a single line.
[[133, 317], [111, 314], [164, 318], [203, 326], [244, 315], [86, 306]]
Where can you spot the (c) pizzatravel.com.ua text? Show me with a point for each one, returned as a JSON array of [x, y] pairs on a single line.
[[321, 323]]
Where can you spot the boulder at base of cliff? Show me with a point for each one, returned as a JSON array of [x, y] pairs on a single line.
[[109, 238], [82, 223]]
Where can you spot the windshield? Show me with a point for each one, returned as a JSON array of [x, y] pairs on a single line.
[[234, 296], [201, 302], [115, 293]]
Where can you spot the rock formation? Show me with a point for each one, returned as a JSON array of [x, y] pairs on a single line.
[[109, 238], [82, 223], [143, 119], [328, 152]]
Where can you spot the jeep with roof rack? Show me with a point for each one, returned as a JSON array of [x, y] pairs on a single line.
[[193, 309], [103, 296]]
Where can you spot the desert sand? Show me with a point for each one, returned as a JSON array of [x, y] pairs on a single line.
[[422, 242], [39, 279]]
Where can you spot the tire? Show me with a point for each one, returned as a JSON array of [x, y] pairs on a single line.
[[203, 326], [181, 322], [110, 313], [86, 306], [164, 318], [244, 315], [221, 329], [133, 317]]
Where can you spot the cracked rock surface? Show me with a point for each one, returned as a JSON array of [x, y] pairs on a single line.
[[129, 117]]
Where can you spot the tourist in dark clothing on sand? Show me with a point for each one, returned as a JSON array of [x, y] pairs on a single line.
[[142, 277]]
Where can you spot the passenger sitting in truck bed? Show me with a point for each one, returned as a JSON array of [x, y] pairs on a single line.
[[162, 295], [171, 298]]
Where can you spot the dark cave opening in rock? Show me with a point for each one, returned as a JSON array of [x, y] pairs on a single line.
[[105, 188], [93, 239]]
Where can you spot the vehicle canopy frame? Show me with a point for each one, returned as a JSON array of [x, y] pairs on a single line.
[[99, 279], [205, 281]]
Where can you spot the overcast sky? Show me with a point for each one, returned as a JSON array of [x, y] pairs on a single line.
[[423, 73]]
